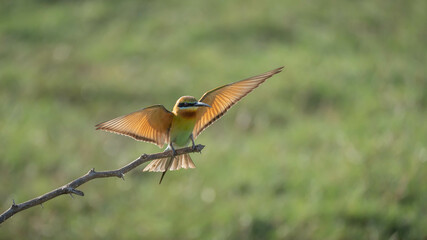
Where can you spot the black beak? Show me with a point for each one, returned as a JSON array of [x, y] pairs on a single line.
[[201, 104]]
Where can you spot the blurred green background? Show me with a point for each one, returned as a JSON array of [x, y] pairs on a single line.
[[334, 147]]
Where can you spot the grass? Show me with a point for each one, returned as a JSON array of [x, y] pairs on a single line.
[[334, 147]]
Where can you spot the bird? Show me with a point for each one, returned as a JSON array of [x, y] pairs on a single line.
[[188, 118]]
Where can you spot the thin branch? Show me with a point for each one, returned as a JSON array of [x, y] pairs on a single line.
[[70, 188]]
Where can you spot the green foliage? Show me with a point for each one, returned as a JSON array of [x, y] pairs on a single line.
[[334, 147]]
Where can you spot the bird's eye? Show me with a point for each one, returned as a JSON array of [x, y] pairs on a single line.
[[185, 104]]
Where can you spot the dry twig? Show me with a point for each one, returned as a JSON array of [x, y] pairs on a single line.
[[70, 188]]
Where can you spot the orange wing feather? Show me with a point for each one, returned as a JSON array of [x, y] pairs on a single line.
[[223, 98], [150, 124]]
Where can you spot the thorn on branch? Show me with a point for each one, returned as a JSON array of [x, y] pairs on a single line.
[[122, 176], [14, 204], [71, 190]]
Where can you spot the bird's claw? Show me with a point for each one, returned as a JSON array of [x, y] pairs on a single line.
[[192, 141]]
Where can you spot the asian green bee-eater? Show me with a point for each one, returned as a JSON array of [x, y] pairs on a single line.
[[187, 120]]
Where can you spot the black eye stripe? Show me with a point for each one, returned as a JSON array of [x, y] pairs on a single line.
[[185, 104]]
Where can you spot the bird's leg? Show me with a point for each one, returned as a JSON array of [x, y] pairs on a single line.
[[173, 150], [192, 140]]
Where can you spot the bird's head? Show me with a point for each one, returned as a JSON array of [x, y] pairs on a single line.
[[188, 103]]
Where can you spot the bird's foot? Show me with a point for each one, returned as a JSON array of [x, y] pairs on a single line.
[[173, 151], [192, 141]]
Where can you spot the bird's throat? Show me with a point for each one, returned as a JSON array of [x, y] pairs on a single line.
[[187, 113]]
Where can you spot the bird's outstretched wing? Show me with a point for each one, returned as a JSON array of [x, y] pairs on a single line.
[[150, 124], [223, 98]]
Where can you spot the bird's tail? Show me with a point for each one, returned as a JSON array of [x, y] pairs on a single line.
[[170, 163]]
